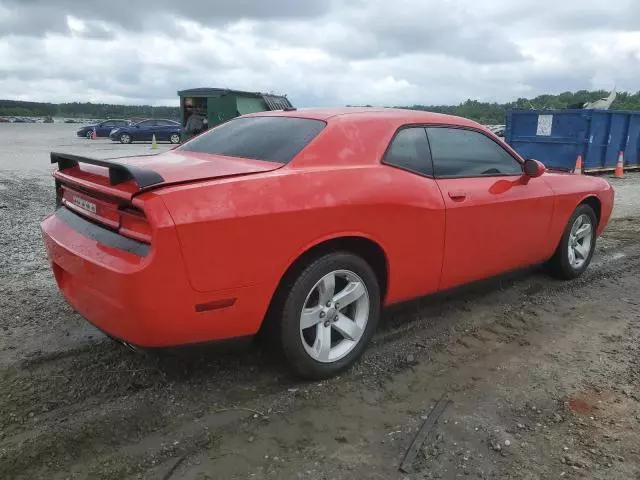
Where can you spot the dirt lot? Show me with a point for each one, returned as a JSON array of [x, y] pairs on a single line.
[[544, 376]]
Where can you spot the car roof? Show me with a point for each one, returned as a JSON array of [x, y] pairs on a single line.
[[395, 115]]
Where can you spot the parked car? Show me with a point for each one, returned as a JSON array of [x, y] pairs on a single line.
[[308, 222], [103, 129], [497, 129], [164, 130]]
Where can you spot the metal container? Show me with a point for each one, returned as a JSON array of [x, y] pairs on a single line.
[[218, 105], [557, 137]]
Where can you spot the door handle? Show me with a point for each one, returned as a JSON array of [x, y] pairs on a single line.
[[457, 195]]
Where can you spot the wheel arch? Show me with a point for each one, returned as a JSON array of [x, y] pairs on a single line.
[[594, 202], [126, 132], [367, 248], [559, 265]]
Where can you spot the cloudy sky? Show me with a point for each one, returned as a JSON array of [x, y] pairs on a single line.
[[319, 52]]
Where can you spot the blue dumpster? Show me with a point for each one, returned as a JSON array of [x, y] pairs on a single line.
[[557, 137]]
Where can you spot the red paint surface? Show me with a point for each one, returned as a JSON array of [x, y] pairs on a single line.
[[226, 228]]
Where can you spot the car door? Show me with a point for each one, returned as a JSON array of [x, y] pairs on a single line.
[[167, 127], [420, 216], [496, 218], [161, 130], [104, 129], [117, 124], [146, 129]]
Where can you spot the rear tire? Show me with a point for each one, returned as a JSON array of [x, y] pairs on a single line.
[[174, 138], [330, 312], [576, 247]]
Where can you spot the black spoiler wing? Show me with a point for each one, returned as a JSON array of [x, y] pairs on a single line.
[[118, 172]]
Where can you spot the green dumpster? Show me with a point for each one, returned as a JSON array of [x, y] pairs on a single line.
[[203, 108]]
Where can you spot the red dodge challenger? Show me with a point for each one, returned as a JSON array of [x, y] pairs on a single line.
[[309, 221]]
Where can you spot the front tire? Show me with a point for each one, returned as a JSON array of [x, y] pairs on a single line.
[[575, 250], [125, 138], [329, 315]]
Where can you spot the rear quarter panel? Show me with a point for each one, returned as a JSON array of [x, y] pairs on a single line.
[[249, 230], [571, 190]]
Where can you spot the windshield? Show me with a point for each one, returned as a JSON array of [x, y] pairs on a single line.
[[273, 139]]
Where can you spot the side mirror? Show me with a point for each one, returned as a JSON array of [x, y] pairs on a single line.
[[534, 168]]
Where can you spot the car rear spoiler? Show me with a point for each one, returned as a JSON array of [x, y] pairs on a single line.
[[118, 172]]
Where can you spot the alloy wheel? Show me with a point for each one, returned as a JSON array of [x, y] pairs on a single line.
[[334, 316], [580, 239]]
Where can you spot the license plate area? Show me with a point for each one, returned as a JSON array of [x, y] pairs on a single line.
[[94, 208]]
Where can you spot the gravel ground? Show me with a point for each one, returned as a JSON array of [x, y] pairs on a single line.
[[543, 376]]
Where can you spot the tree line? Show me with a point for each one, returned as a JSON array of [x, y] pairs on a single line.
[[495, 113], [84, 110], [483, 112]]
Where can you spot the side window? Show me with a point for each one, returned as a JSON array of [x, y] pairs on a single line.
[[464, 153], [409, 150], [148, 123], [108, 124]]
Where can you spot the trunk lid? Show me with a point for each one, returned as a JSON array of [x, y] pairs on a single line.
[[103, 191], [124, 177], [176, 166]]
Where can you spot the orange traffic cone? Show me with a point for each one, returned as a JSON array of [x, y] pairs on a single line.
[[578, 168], [93, 135], [619, 173]]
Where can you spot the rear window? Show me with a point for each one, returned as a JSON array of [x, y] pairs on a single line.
[[274, 139]]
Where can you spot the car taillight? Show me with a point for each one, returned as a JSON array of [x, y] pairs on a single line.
[[134, 224]]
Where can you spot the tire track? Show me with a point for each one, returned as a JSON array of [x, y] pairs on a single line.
[[127, 418]]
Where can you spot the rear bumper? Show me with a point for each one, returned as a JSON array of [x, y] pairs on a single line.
[[144, 298]]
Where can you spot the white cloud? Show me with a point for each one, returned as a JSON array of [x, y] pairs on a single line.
[[320, 53]]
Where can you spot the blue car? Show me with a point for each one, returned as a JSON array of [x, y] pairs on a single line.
[[164, 130], [103, 129]]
